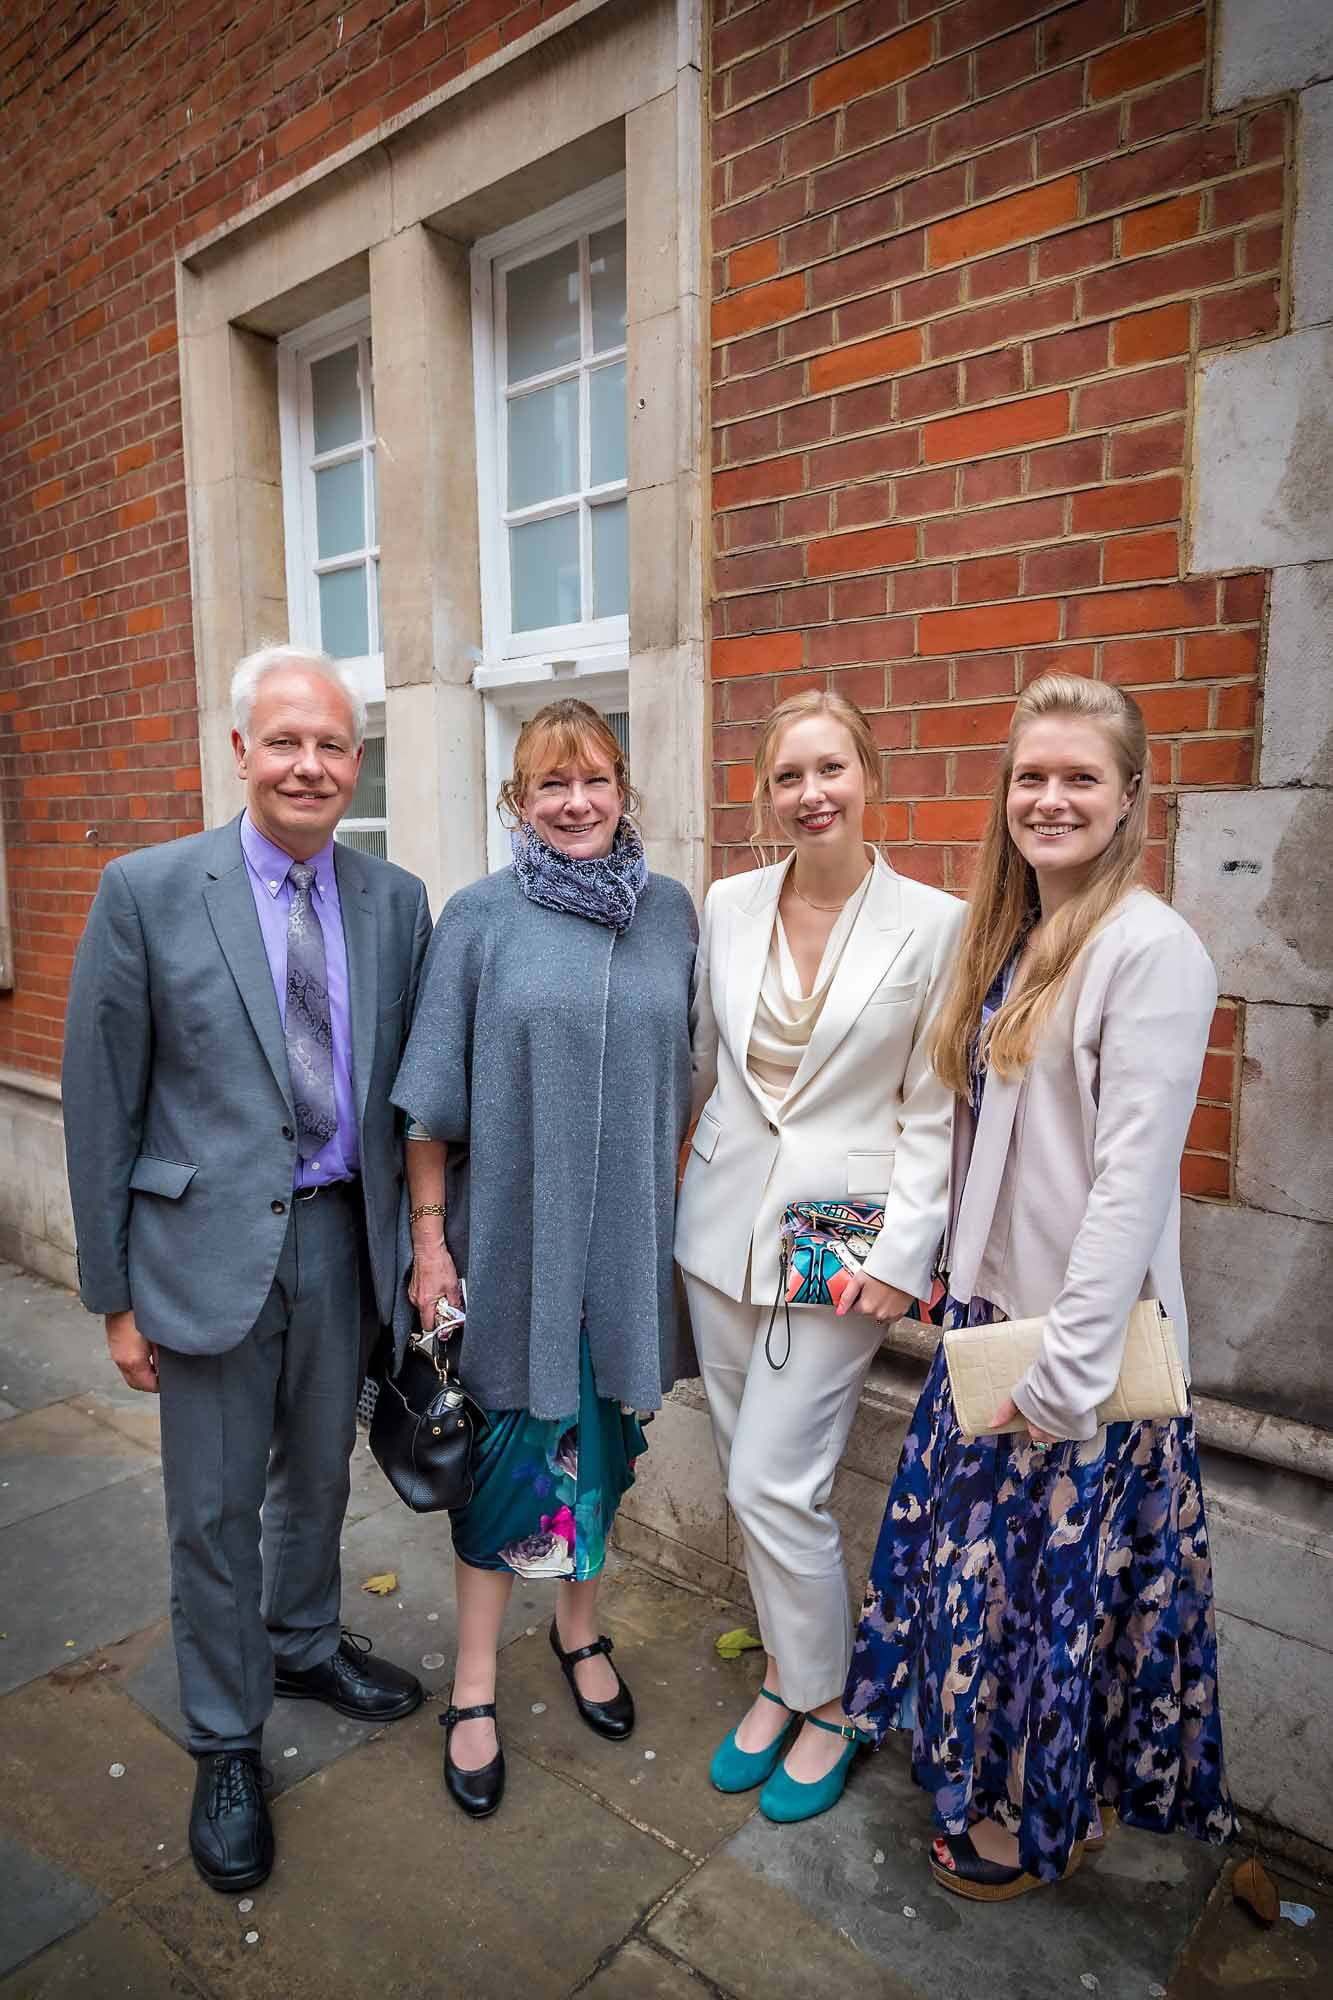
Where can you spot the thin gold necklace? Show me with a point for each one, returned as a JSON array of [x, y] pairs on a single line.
[[829, 909]]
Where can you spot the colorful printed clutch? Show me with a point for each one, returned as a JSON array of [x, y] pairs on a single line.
[[820, 1245]]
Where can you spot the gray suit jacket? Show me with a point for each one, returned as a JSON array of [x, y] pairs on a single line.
[[179, 1124]]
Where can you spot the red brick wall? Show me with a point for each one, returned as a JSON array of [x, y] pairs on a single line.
[[965, 256], [127, 130]]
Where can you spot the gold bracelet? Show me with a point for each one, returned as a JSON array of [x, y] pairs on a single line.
[[426, 1208]]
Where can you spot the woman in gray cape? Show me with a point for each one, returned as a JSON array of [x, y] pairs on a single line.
[[547, 1088]]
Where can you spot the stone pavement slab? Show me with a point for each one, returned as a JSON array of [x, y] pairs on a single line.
[[413, 1624], [114, 1954], [52, 1348], [685, 1700], [379, 1890], [862, 1872], [1232, 1953], [81, 1576], [60, 1453], [640, 1971], [59, 1738], [758, 1942], [39, 1902]]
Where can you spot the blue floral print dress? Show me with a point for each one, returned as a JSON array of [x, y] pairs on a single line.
[[1042, 1622]]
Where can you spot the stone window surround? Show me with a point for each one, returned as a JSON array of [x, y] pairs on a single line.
[[617, 89]]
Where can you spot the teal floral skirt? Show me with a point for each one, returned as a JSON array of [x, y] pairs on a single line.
[[546, 1490]]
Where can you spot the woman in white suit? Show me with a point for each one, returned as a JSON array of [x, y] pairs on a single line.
[[1039, 1611], [814, 986]]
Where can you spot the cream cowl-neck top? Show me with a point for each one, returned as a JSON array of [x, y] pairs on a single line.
[[785, 1017]]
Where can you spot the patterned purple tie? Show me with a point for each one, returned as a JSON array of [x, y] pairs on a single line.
[[308, 1030]]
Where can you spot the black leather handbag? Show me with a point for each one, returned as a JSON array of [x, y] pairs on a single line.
[[423, 1429]]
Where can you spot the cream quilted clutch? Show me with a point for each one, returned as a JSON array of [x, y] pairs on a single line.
[[985, 1362]]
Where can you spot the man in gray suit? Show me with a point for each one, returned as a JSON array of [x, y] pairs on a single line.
[[239, 1004]]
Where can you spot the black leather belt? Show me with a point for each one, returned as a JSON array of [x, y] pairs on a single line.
[[344, 1186]]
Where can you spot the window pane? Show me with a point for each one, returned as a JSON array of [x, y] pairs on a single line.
[[544, 444], [542, 305], [617, 721], [336, 398], [544, 573], [606, 259], [606, 387], [343, 626], [366, 840], [339, 513], [368, 800], [610, 560], [371, 536]]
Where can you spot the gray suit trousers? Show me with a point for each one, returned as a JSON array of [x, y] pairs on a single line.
[[268, 1425]]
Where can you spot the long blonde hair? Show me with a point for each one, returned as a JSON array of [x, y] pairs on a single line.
[[1004, 902], [800, 708]]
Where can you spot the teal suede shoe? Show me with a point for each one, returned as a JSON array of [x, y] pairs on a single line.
[[737, 1770], [786, 1800]]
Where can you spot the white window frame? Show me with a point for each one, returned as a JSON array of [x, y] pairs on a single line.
[[493, 257], [519, 672], [375, 731], [296, 353]]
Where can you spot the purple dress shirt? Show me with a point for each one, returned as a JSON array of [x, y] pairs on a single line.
[[267, 866]]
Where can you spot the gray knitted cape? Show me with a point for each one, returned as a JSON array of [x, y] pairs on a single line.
[[553, 1058]]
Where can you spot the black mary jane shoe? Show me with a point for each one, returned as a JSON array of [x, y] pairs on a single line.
[[352, 1682], [231, 1834], [982, 1881], [477, 1793], [613, 1719]]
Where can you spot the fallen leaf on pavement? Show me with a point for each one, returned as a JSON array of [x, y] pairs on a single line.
[[383, 1585], [732, 1644], [1252, 1884]]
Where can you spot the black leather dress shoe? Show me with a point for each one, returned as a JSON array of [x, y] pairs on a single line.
[[476, 1792], [614, 1718], [353, 1683], [231, 1834]]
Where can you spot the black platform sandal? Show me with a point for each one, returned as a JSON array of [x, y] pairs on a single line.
[[477, 1793], [983, 1881], [614, 1718]]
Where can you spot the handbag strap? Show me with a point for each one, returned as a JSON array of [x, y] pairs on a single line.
[[780, 1300]]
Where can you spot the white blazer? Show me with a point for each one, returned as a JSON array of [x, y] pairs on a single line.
[[865, 1115], [1065, 1197]]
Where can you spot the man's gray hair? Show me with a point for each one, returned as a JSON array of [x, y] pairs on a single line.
[[275, 659]]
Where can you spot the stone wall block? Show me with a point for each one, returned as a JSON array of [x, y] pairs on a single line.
[[1253, 1338], [1288, 1073], [651, 200], [1253, 874], [678, 1486], [668, 721], [1262, 49], [1312, 237], [1297, 742], [1262, 440], [36, 1223], [659, 447], [1274, 1694], [653, 591]]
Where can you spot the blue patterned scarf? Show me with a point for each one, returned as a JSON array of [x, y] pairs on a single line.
[[605, 891]]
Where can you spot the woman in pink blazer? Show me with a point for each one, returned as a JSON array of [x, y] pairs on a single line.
[[1039, 1610]]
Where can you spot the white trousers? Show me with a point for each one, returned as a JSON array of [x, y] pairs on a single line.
[[780, 1435]]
